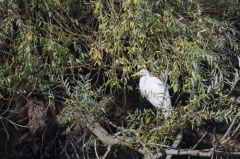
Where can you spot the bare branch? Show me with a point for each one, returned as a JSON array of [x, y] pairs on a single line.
[[200, 153], [176, 142], [131, 143], [199, 140], [235, 132], [106, 138], [107, 152], [110, 140], [95, 149], [224, 138]]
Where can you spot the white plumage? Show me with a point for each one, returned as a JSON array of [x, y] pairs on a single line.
[[155, 91]]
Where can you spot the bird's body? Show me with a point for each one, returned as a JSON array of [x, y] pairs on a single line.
[[155, 91]]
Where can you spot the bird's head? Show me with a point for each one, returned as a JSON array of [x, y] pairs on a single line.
[[142, 72]]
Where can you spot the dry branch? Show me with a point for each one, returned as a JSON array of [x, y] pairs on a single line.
[[129, 142], [176, 142], [227, 135], [200, 153], [110, 140]]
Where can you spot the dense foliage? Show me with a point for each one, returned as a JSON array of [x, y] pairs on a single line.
[[91, 49]]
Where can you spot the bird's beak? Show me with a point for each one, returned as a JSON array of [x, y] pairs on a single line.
[[136, 74]]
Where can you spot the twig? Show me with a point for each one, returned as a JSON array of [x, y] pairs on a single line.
[[4, 127], [75, 150], [199, 140], [176, 142], [107, 152], [95, 149], [13, 123], [224, 139], [236, 131]]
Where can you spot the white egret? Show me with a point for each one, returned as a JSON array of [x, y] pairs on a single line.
[[155, 91]]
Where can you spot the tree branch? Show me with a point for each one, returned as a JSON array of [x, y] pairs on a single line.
[[131, 143], [200, 153], [176, 142], [110, 140]]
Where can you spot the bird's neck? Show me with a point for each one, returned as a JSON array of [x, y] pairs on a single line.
[[143, 79], [147, 76]]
